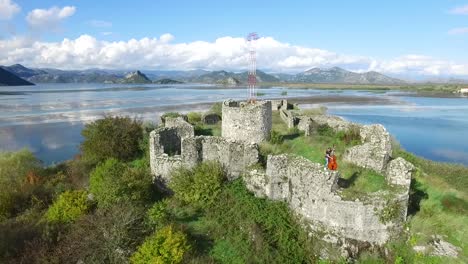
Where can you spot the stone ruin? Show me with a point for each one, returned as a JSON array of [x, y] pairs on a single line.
[[246, 121], [305, 186]]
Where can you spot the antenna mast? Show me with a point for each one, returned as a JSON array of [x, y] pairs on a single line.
[[252, 73]]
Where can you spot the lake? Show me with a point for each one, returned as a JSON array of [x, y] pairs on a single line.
[[48, 118]]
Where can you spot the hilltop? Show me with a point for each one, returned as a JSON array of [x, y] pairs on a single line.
[[9, 79], [135, 77]]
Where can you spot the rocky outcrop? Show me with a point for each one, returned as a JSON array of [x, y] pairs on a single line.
[[374, 152]]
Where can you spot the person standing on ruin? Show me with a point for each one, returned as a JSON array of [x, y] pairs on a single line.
[[327, 157]]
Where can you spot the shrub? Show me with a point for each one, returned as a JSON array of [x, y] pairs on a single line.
[[158, 214], [14, 170], [165, 246], [352, 135], [194, 117], [198, 186], [325, 130], [113, 181], [68, 207], [276, 137], [110, 235], [112, 137]]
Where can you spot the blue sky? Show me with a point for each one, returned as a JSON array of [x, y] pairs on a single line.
[[376, 34]]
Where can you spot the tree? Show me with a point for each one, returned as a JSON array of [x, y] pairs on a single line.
[[112, 137], [114, 181], [14, 170]]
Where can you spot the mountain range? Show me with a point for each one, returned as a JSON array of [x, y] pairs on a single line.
[[333, 75]]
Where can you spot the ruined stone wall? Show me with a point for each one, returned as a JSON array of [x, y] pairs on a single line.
[[374, 152], [280, 104], [162, 142], [310, 192], [288, 118], [235, 156], [250, 122], [184, 129]]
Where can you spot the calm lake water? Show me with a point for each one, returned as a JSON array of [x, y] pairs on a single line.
[[48, 118]]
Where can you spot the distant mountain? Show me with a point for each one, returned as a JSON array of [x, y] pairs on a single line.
[[23, 72], [229, 81], [135, 77], [9, 79], [315, 75], [339, 75], [221, 76], [167, 81]]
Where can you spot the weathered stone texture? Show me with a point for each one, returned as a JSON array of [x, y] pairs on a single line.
[[309, 191], [399, 172], [280, 104], [376, 150], [289, 118], [235, 156], [184, 129], [250, 122]]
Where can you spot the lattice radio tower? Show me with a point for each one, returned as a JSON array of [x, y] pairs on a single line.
[[252, 74]]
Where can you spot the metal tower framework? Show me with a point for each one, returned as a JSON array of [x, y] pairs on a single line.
[[252, 73]]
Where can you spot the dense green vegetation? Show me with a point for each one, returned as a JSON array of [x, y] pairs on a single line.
[[103, 208]]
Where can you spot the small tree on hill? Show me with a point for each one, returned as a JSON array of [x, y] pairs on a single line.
[[112, 137]]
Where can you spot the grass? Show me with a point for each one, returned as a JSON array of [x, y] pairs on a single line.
[[438, 203]]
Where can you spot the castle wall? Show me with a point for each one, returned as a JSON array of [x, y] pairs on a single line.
[[235, 156], [310, 192], [250, 122]]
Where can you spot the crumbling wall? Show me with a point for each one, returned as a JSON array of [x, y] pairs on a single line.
[[280, 104], [235, 156], [250, 122], [164, 144], [374, 152], [310, 192], [184, 129], [289, 118]]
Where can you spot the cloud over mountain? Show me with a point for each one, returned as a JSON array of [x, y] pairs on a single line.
[[228, 53]]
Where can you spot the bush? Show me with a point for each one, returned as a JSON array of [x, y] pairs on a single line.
[[352, 135], [14, 170], [276, 137], [68, 207], [194, 117], [113, 181], [158, 214], [110, 235], [112, 137], [325, 130], [165, 246], [198, 186]]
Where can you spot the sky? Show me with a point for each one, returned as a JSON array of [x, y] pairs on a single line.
[[399, 37]]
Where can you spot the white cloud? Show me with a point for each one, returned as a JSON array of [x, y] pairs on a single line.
[[458, 31], [8, 9], [461, 10], [100, 23], [228, 53], [49, 18]]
